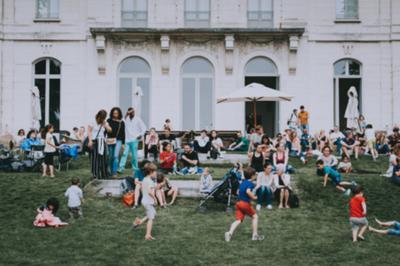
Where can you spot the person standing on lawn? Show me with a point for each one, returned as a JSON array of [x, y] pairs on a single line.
[[115, 139], [148, 199], [243, 206], [134, 132], [358, 213], [303, 117], [75, 198]]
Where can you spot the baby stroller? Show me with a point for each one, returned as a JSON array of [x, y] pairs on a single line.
[[223, 190]]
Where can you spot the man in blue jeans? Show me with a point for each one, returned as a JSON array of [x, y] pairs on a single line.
[[134, 132]]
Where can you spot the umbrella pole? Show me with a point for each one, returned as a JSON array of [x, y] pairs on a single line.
[[255, 113]]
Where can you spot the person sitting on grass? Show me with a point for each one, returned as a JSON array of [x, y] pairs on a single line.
[[345, 165], [202, 143], [282, 185], [167, 159], [206, 184], [395, 231], [265, 181], [350, 145], [328, 158], [256, 158], [151, 144], [358, 213], [371, 141], [394, 154], [240, 144], [164, 189], [45, 214], [75, 198], [189, 160], [396, 172], [243, 206], [148, 199], [336, 177]]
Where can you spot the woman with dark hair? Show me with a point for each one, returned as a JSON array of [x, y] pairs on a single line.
[[97, 145], [19, 138], [50, 149], [115, 139]]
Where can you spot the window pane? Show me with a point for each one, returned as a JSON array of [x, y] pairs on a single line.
[[252, 5], [54, 67], [191, 15], [204, 5], [351, 8], [261, 67], [134, 65], [43, 8], [190, 5], [144, 84], [125, 93], [197, 65], [189, 103], [354, 68], [54, 107], [340, 67], [127, 5], [41, 84], [54, 9], [266, 5], [40, 67], [141, 5], [206, 103], [340, 8], [203, 16]]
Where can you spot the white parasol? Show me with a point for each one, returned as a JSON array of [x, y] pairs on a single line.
[[36, 108], [352, 113]]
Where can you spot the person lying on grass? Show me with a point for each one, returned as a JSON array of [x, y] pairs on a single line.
[[163, 189], [243, 206], [336, 177], [358, 213], [148, 199], [395, 231]]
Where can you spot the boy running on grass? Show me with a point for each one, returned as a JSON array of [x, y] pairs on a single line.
[[335, 176], [391, 232], [358, 213], [148, 199], [243, 206]]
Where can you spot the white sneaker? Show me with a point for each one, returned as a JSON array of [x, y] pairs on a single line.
[[347, 192], [228, 236], [258, 207], [269, 207], [257, 238]]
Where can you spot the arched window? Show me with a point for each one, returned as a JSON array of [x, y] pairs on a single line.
[[259, 67], [197, 94], [347, 74], [47, 77], [134, 86]]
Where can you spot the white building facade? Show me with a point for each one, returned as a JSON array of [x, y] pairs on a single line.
[[174, 58]]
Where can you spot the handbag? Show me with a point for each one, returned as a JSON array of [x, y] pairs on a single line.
[[113, 141]]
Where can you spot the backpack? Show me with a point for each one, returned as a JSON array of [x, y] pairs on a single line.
[[294, 201], [128, 199], [214, 154], [127, 184]]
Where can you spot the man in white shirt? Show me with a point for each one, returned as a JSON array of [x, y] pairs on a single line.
[[336, 138], [134, 131]]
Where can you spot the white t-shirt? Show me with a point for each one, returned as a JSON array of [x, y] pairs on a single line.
[[96, 133], [370, 134], [148, 186], [74, 195], [202, 141], [48, 147], [265, 180]]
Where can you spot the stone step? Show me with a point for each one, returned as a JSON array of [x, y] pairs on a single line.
[[186, 188]]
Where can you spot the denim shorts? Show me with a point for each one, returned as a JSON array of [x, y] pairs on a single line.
[[357, 222], [395, 231]]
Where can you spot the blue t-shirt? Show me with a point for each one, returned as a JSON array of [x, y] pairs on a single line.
[[246, 184], [334, 175]]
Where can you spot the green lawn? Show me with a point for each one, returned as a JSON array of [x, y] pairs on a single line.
[[318, 233]]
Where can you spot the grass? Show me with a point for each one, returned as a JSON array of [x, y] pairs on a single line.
[[317, 233]]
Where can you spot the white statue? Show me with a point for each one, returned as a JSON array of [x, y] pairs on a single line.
[[352, 112], [36, 108], [137, 94]]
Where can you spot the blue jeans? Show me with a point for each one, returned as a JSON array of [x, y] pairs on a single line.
[[339, 145], [129, 146], [113, 154], [264, 191]]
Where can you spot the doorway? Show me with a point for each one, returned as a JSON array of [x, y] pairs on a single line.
[[343, 86], [266, 111]]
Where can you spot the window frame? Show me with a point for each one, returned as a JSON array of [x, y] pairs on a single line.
[[260, 22], [197, 22], [49, 17], [135, 22]]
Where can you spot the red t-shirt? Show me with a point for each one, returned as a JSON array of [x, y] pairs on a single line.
[[356, 209], [169, 159]]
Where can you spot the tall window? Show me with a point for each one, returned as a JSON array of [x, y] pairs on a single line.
[[134, 86], [134, 13], [347, 9], [259, 13], [47, 9], [197, 13], [47, 77], [197, 94]]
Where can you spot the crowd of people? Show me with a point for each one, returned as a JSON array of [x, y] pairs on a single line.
[[114, 137]]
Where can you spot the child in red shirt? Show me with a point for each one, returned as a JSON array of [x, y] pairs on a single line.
[[358, 213], [167, 159]]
